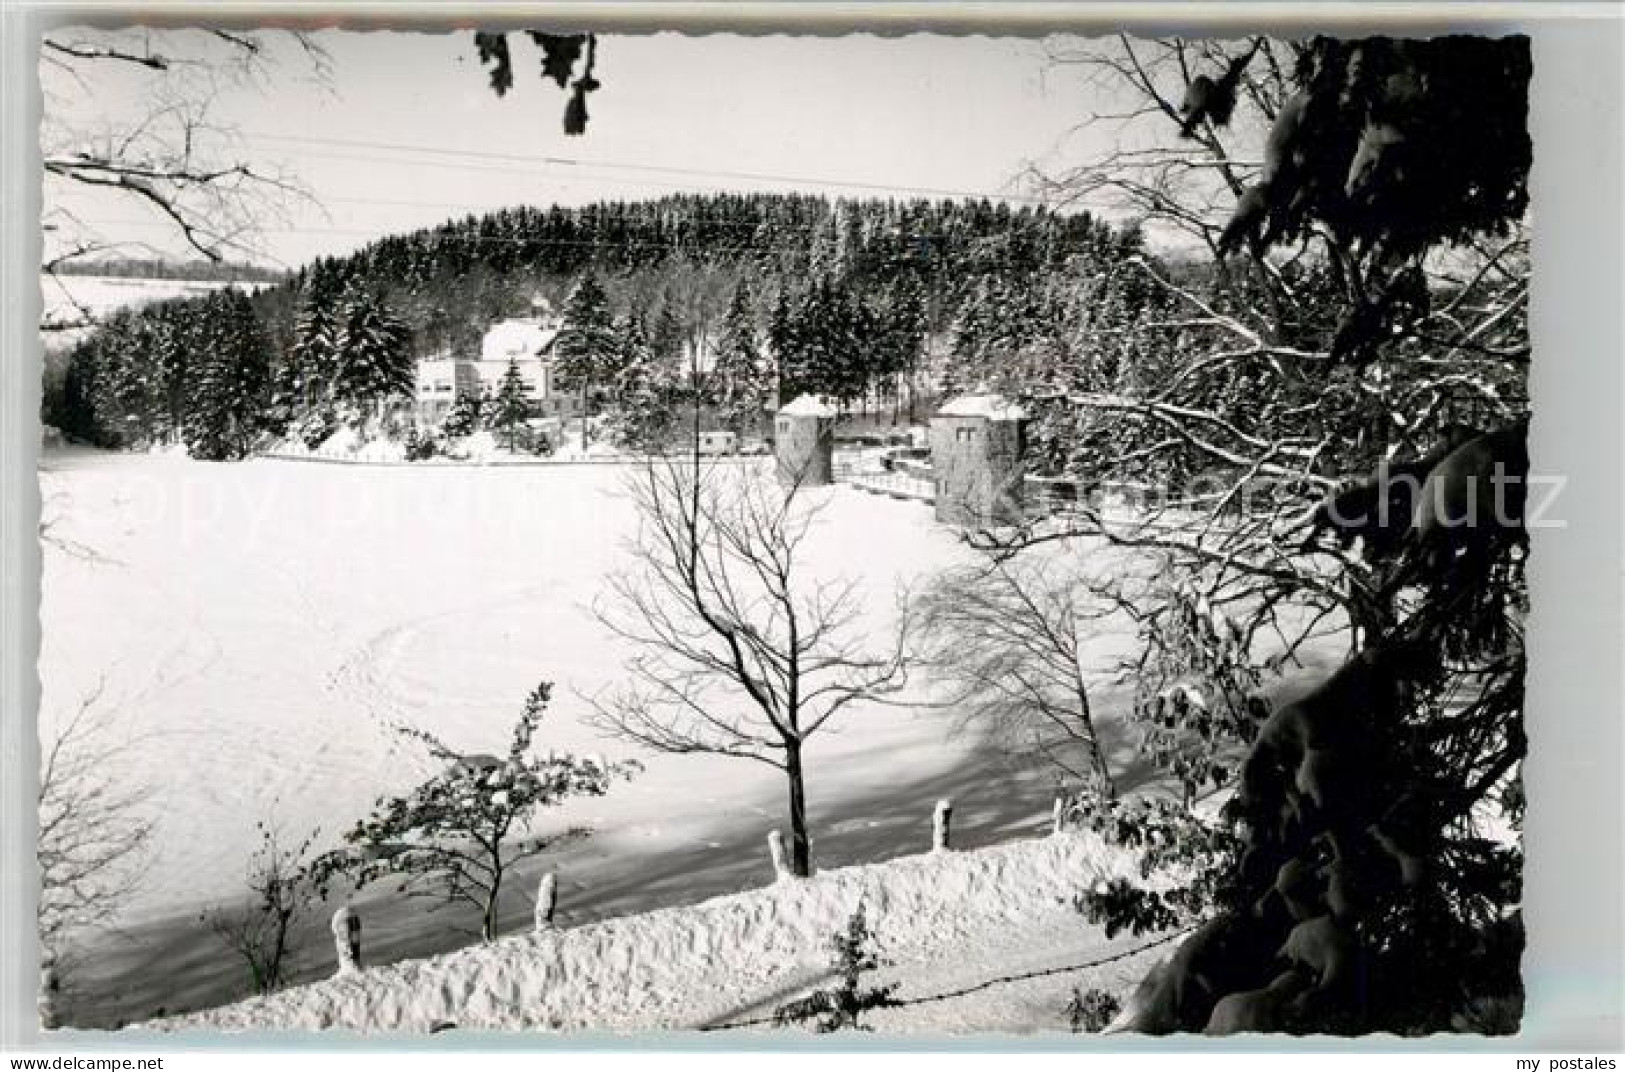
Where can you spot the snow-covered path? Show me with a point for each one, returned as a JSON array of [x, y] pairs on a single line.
[[169, 965], [942, 921]]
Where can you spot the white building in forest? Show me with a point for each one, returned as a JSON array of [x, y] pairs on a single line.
[[441, 381], [527, 343], [523, 339]]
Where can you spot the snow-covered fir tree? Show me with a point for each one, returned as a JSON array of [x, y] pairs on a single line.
[[172, 356], [742, 376], [641, 420], [226, 402], [306, 378], [667, 339], [782, 338], [905, 329], [465, 417], [374, 351], [828, 340], [511, 407], [125, 390], [587, 346]]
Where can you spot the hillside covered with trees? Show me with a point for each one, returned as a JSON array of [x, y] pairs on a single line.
[[862, 301]]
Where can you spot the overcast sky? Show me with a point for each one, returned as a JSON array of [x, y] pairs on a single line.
[[407, 133]]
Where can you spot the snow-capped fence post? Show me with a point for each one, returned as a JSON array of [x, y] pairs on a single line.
[[547, 896], [50, 987], [941, 821], [347, 940], [1058, 817], [775, 849]]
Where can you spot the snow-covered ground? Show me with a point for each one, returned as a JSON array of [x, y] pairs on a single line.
[[943, 923], [260, 627]]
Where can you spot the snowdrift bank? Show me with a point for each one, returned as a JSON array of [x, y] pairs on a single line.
[[721, 960]]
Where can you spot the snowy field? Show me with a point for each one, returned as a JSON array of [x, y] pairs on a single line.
[[66, 299], [260, 627], [984, 941]]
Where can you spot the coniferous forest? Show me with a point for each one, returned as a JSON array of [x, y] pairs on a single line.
[[861, 301]]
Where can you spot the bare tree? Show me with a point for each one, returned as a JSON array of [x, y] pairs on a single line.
[[1246, 404], [94, 838], [1009, 639], [280, 890], [740, 652], [132, 118], [1178, 190]]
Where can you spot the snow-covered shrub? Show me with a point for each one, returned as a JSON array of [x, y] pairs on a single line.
[[419, 446], [464, 417], [1117, 905], [397, 425], [315, 426], [843, 1006], [458, 832], [528, 439], [1091, 1010], [280, 892]]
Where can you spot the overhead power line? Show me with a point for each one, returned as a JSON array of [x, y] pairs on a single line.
[[788, 243], [537, 160]]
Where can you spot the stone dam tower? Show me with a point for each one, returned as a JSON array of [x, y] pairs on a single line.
[[978, 444], [804, 442]]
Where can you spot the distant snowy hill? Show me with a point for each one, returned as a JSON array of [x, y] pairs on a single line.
[[951, 926], [69, 299]]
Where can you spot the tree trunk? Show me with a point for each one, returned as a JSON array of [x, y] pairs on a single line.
[[583, 417], [1091, 734], [1103, 769], [1370, 618], [488, 925], [800, 845]]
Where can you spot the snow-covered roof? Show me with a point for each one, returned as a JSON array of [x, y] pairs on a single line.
[[524, 337], [808, 406], [993, 407]]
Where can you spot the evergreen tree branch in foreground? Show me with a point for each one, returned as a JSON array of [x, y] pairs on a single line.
[[1338, 381]]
